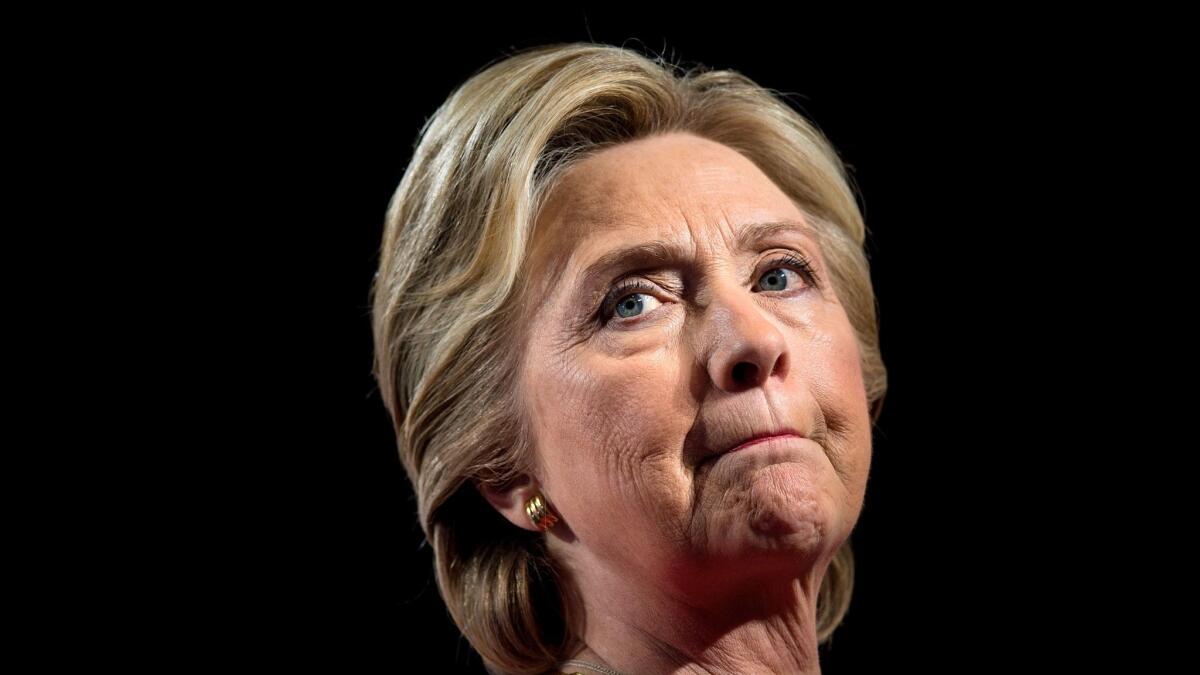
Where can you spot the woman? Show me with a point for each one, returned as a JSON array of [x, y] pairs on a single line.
[[625, 329]]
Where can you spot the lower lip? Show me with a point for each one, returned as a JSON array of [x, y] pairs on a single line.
[[764, 439]]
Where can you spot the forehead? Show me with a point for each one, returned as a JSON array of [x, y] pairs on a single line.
[[673, 187]]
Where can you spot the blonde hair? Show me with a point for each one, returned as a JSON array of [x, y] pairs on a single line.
[[453, 270]]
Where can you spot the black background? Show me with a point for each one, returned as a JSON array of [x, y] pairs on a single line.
[[286, 136]]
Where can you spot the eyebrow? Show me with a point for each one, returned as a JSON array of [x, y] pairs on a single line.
[[640, 257]]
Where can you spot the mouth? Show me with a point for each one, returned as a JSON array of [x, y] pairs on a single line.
[[762, 439], [752, 441]]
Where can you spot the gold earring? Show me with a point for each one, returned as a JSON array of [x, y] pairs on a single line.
[[539, 512]]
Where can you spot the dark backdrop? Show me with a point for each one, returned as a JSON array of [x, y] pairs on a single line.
[[959, 142]]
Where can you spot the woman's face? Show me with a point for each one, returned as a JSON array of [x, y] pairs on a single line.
[[714, 334]]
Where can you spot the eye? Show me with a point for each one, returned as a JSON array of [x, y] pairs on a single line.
[[776, 280], [628, 300], [633, 304]]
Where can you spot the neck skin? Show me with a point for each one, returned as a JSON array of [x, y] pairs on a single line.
[[745, 623]]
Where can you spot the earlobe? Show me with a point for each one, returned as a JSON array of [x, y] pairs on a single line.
[[521, 502], [538, 510]]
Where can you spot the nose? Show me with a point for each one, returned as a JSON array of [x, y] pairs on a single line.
[[745, 347]]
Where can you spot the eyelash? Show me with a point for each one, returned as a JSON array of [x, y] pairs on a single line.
[[795, 261]]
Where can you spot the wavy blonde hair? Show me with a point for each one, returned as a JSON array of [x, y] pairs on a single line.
[[453, 270]]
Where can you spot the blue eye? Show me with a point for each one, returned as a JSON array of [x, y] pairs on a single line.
[[628, 299], [774, 280], [796, 263]]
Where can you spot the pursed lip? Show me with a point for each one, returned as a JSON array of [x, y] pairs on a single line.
[[759, 438]]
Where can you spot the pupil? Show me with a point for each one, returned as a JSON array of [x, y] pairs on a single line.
[[774, 279], [631, 303]]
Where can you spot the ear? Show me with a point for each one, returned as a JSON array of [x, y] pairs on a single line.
[[509, 500]]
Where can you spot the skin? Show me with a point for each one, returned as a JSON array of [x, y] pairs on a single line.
[[687, 561]]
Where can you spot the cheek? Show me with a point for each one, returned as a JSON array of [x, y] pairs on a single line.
[[838, 385], [610, 436], [592, 404]]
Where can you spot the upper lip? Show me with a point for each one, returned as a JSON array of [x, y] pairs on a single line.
[[762, 434]]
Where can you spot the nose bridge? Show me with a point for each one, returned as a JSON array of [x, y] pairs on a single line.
[[741, 347]]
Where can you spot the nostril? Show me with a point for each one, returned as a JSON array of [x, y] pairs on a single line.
[[745, 372]]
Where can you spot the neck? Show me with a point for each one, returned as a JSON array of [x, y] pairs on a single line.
[[702, 623]]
